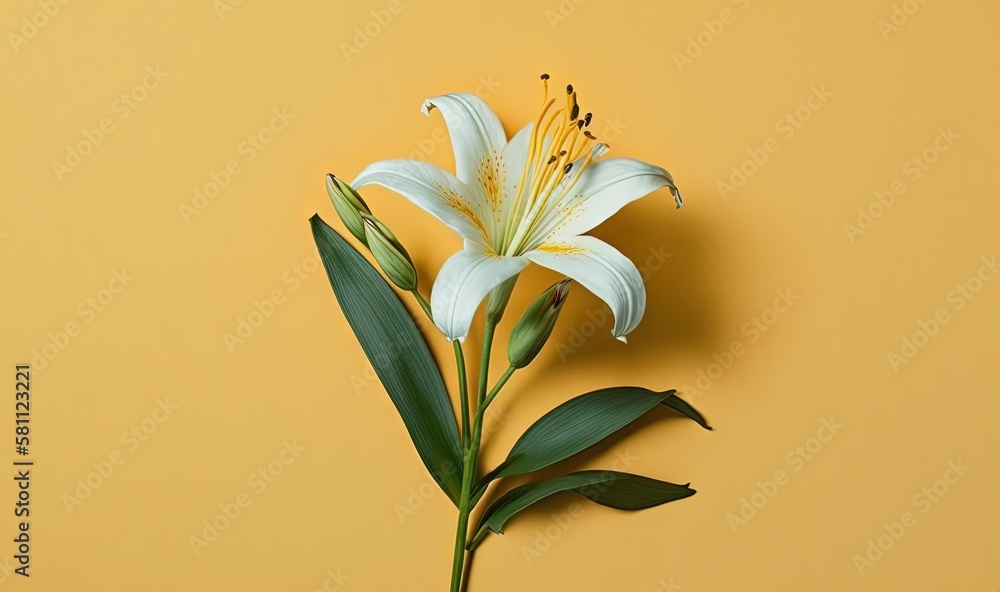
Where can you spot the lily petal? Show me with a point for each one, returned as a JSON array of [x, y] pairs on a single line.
[[477, 136], [435, 190], [463, 282], [607, 186], [603, 270]]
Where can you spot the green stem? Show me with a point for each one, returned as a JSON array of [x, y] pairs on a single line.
[[484, 360], [463, 392], [423, 304], [465, 504], [469, 467], [496, 390]]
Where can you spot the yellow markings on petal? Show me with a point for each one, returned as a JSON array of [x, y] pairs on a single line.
[[564, 212], [457, 202], [568, 214], [562, 249], [491, 176]]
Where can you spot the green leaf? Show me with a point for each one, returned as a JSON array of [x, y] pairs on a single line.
[[623, 491], [679, 405], [580, 423], [398, 354]]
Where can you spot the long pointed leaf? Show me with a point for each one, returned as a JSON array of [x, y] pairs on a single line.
[[679, 405], [580, 423], [623, 491], [398, 354]]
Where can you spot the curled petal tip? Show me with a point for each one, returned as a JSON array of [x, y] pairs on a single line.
[[622, 338]]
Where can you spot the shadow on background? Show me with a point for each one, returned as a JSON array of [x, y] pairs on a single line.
[[672, 251]]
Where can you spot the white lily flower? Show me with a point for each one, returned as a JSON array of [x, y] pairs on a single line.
[[527, 200]]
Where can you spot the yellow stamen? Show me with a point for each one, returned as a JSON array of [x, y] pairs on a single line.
[[539, 212], [550, 172], [536, 161]]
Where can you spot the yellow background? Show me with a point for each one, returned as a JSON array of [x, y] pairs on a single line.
[[300, 377]]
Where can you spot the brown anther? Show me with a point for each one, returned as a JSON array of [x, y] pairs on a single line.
[[574, 113], [562, 153], [545, 76], [569, 89], [586, 118], [567, 168], [589, 135], [579, 124], [551, 160]]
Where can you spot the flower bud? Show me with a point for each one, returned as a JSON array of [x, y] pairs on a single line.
[[349, 205], [533, 330], [497, 299], [391, 255]]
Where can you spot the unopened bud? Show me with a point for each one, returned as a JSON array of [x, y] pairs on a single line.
[[349, 205], [391, 255], [497, 299], [533, 330]]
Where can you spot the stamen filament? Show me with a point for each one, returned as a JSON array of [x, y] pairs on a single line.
[[549, 173], [547, 104]]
